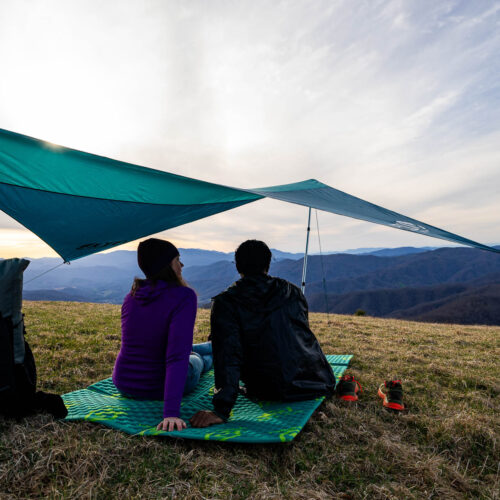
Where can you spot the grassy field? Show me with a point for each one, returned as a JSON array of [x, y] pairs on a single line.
[[445, 446]]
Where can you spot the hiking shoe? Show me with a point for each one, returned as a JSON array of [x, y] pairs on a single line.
[[393, 399], [347, 388]]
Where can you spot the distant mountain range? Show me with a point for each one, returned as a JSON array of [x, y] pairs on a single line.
[[107, 277], [455, 285]]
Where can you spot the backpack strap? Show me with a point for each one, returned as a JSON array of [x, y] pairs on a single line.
[[7, 381], [11, 299]]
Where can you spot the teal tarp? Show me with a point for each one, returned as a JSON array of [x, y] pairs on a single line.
[[80, 203]]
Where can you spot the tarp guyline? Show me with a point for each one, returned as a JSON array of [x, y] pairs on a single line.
[[80, 203]]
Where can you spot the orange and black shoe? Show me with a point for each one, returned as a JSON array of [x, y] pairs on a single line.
[[393, 399], [347, 388]]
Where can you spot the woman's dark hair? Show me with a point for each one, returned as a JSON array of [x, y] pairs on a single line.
[[166, 274], [154, 257], [252, 257]]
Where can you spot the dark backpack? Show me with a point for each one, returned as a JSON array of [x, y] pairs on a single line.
[[18, 395]]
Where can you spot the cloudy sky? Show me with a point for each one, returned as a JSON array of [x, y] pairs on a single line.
[[396, 102]]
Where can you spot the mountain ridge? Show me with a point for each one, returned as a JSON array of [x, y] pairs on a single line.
[[391, 282]]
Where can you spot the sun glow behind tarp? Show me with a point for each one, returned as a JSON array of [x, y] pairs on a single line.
[[80, 204], [17, 242]]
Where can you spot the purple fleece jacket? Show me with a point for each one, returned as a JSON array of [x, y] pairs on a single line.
[[157, 337]]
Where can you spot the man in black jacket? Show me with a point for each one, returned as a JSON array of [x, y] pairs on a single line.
[[260, 334]]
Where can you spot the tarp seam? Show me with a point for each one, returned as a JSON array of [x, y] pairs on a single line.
[[260, 197]]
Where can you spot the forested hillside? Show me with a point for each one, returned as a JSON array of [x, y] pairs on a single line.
[[445, 285]]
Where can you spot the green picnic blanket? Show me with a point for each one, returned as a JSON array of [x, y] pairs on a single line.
[[250, 421]]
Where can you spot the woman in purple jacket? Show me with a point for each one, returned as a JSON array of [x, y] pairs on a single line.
[[157, 359]]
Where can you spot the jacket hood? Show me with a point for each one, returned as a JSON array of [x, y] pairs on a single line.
[[149, 292], [260, 292]]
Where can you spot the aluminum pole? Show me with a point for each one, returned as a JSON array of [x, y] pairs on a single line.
[[304, 267]]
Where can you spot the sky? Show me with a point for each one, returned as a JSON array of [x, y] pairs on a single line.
[[396, 102]]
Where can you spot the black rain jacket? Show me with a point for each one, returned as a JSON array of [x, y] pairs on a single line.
[[260, 334]]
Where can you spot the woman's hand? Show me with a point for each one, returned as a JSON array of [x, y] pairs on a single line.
[[171, 423]]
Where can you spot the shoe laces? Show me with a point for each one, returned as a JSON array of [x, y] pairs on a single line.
[[395, 389], [392, 383], [350, 378]]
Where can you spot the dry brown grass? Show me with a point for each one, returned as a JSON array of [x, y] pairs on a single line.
[[445, 446]]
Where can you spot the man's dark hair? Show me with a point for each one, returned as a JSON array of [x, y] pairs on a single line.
[[252, 257]]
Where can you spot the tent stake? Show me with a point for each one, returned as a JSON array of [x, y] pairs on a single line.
[[304, 267]]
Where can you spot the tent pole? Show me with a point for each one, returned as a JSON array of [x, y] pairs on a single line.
[[304, 267]]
